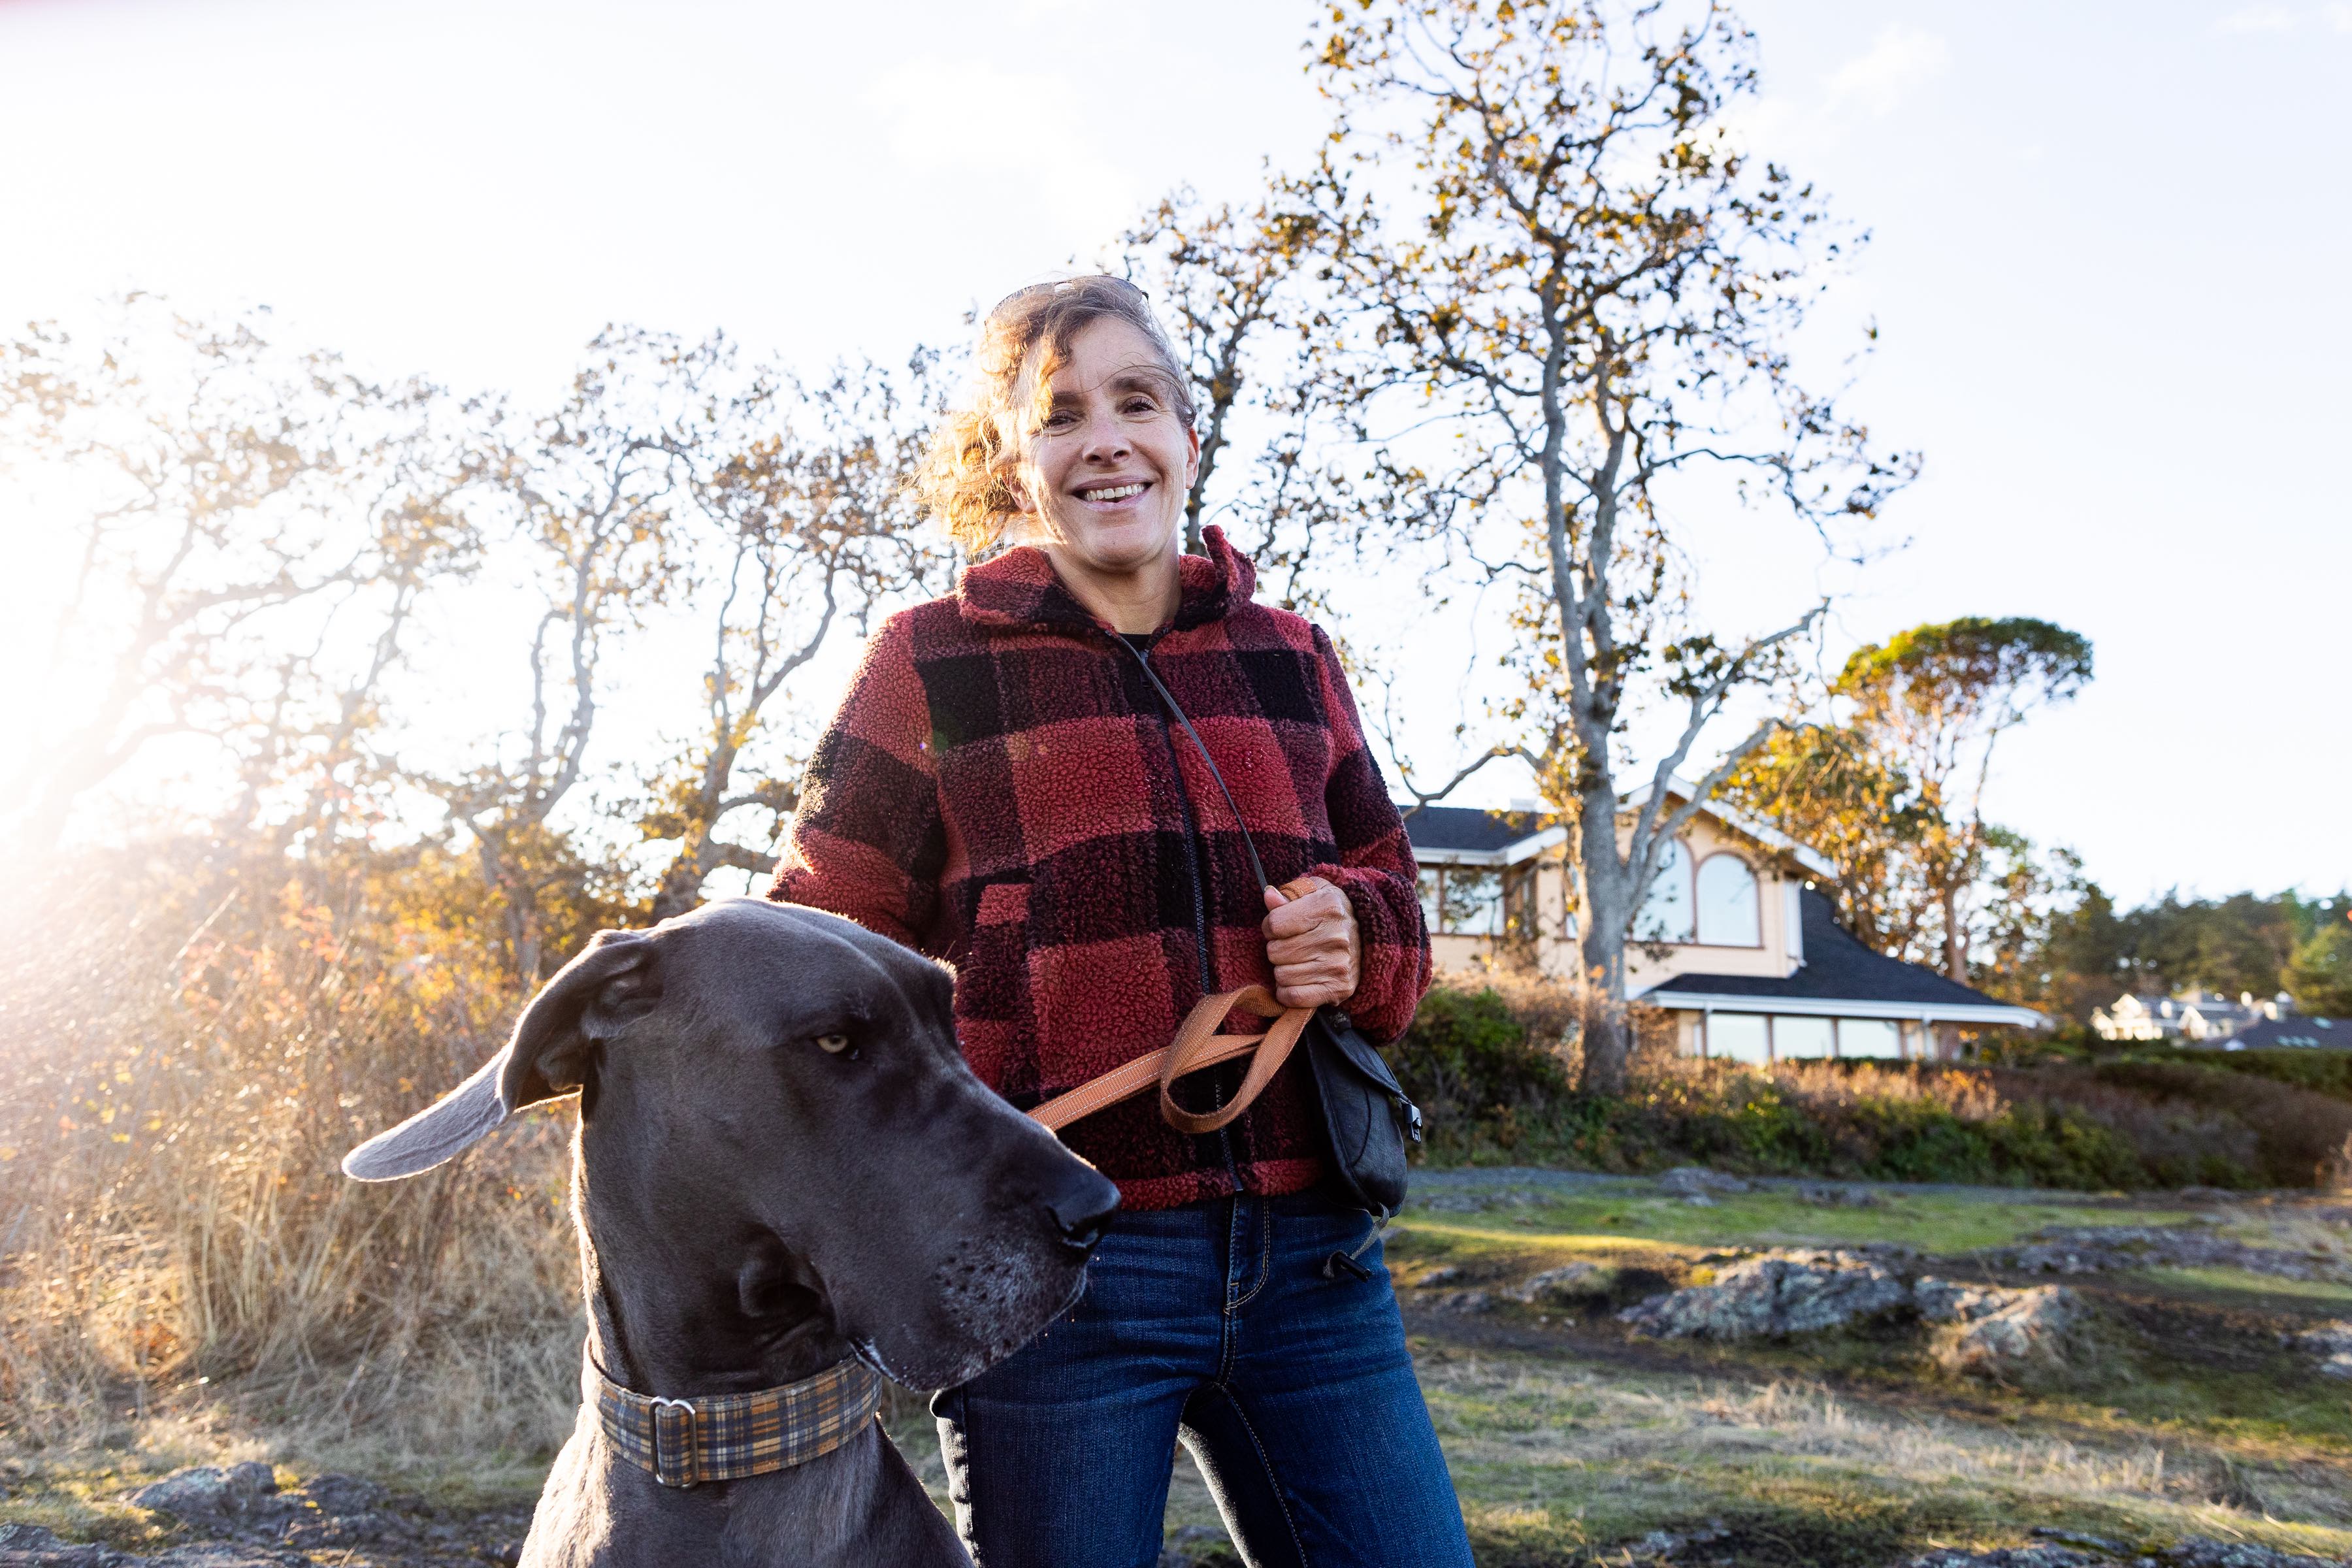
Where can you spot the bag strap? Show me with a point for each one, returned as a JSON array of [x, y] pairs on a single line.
[[1197, 1045], [1257, 867]]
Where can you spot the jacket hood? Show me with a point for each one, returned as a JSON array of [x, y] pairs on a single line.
[[1019, 590]]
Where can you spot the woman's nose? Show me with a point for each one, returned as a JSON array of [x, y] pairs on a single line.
[[1104, 440]]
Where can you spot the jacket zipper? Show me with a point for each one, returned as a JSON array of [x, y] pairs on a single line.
[[1194, 848]]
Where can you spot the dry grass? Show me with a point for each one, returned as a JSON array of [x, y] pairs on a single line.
[[187, 1065], [1562, 1448]]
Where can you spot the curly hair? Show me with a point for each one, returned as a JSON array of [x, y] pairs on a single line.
[[965, 477]]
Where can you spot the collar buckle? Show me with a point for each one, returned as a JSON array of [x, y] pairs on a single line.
[[676, 1452]]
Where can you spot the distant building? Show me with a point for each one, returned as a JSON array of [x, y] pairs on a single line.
[[2187, 1018], [2293, 1030], [1735, 940]]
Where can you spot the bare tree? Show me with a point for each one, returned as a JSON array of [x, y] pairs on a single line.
[[810, 514], [1554, 249], [244, 497], [590, 492]]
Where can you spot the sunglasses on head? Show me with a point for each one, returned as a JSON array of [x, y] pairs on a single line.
[[1067, 284]]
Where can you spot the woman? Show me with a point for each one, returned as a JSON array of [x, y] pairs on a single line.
[[1003, 787]]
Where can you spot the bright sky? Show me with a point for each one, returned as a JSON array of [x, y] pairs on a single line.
[[2108, 272]]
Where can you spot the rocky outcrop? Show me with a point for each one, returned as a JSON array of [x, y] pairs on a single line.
[[31, 1546], [1569, 1285], [1698, 1184], [2330, 1344], [1774, 1296], [1981, 1329], [330, 1511], [2098, 1249], [2088, 1552], [1995, 1333]]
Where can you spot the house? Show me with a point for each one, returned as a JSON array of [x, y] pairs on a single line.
[[1735, 940], [2293, 1030], [2192, 1017]]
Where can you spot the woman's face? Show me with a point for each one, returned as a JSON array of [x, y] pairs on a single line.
[[1108, 462]]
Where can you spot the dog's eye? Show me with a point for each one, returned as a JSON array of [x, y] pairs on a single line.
[[837, 1044]]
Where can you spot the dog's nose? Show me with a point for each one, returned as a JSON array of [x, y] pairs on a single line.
[[1082, 1207]]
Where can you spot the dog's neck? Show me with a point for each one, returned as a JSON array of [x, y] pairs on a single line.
[[682, 1302]]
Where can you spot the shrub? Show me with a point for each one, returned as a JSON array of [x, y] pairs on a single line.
[[1495, 1074], [1470, 1059]]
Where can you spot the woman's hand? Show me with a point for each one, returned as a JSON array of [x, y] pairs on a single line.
[[1310, 935]]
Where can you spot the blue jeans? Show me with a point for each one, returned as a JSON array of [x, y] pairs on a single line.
[[1214, 1322]]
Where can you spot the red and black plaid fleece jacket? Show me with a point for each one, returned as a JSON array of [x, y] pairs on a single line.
[[1003, 789]]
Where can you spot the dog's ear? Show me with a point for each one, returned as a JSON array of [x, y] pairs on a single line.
[[545, 1058]]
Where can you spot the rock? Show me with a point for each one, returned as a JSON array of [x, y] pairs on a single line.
[[2331, 1343], [1697, 1182], [2077, 1538], [1665, 1545], [2090, 1249], [1773, 1296], [1462, 1301], [1446, 1274], [2033, 1327], [207, 1494], [2197, 1552], [1571, 1282], [1838, 1195], [335, 1510], [333, 1493], [2008, 1557], [32, 1546], [1942, 1302]]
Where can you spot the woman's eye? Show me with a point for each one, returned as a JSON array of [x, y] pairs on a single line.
[[837, 1044]]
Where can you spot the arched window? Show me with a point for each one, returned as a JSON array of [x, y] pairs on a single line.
[[1728, 915], [1667, 911]]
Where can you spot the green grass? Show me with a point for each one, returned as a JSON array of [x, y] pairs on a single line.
[[1935, 1223], [2255, 1289], [2181, 1415]]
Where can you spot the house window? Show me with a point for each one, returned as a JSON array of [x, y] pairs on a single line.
[[1738, 1038], [1728, 915], [1667, 911], [1868, 1037], [1474, 900], [1520, 902]]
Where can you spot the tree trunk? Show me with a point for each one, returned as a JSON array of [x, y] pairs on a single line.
[[1608, 1031], [1955, 952]]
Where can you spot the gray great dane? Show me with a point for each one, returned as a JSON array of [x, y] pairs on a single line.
[[782, 1162]]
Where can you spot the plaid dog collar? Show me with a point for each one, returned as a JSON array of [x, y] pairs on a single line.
[[728, 1436]]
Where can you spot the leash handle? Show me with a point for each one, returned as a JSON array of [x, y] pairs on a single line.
[[1197, 1045]]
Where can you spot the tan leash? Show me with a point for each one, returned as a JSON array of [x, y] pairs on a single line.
[[1197, 1045]]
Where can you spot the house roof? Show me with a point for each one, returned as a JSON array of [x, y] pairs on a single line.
[[1841, 977], [1457, 833], [1764, 833], [2294, 1030], [1469, 836]]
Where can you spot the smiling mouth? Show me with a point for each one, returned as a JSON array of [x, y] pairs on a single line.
[[1115, 492]]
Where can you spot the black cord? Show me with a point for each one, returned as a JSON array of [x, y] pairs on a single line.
[[1168, 697]]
